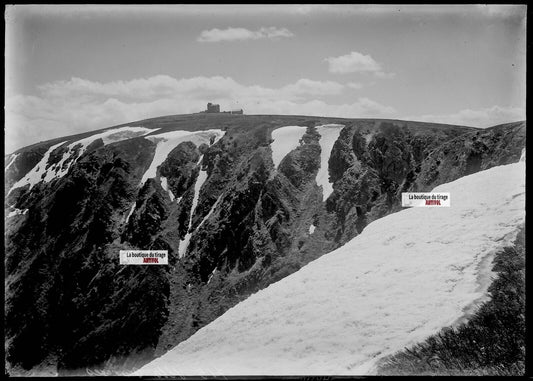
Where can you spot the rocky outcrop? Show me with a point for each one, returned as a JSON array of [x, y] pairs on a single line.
[[476, 151], [63, 280]]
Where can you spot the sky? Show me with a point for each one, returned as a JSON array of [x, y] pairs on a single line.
[[77, 68]]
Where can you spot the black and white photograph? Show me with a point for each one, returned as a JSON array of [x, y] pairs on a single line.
[[253, 190]]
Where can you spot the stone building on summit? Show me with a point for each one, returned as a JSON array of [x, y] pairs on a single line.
[[212, 108]]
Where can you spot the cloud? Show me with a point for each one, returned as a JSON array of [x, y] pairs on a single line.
[[356, 62], [307, 86], [361, 108], [242, 34], [352, 62], [138, 89], [483, 118], [354, 85], [77, 105], [161, 86], [381, 74]]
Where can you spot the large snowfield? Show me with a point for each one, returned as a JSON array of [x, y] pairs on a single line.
[[402, 279]]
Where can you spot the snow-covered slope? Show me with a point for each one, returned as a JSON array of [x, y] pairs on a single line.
[[405, 277], [77, 149], [16, 212], [285, 139], [200, 180], [167, 141], [164, 185], [329, 133], [45, 172], [36, 174], [11, 161]]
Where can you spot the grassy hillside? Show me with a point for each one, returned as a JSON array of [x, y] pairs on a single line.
[[195, 122]]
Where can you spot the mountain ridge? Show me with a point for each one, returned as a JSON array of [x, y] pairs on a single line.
[[251, 225], [179, 117]]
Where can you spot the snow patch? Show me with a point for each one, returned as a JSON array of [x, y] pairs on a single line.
[[200, 180], [35, 175], [132, 209], [58, 170], [11, 161], [184, 244], [202, 176], [17, 212], [125, 133], [523, 156], [210, 211], [312, 229], [167, 141], [164, 185], [70, 157], [285, 139], [212, 275], [329, 134], [402, 279]]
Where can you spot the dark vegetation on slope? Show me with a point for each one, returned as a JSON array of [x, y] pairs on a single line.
[[471, 153], [66, 295], [491, 343]]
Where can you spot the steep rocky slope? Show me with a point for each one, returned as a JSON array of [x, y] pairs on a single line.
[[231, 221], [402, 279]]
